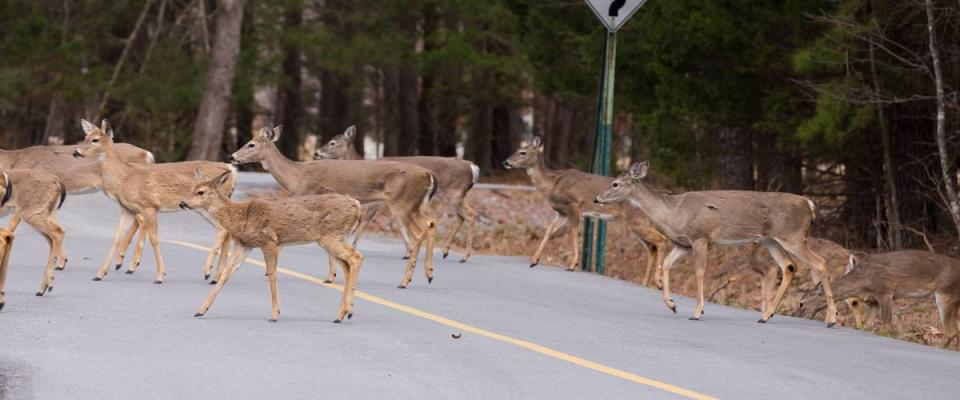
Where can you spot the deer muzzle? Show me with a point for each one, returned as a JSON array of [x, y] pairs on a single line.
[[183, 205], [507, 165], [77, 154]]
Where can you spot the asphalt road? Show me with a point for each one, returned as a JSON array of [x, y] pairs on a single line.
[[526, 333]]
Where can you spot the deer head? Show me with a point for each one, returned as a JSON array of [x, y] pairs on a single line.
[[527, 156], [621, 187], [97, 140], [256, 149], [206, 192], [337, 147]]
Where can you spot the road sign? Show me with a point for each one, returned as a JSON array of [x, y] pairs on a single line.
[[613, 13]]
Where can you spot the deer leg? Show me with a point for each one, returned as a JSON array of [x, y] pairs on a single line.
[[800, 251], [768, 284], [331, 269], [126, 218], [218, 246], [700, 264], [856, 306], [150, 219], [885, 303], [222, 264], [573, 219], [270, 255], [675, 255], [138, 249], [430, 233], [788, 268], [125, 242], [6, 244], [367, 217], [418, 234], [651, 262], [947, 307], [14, 222], [546, 236], [52, 231], [349, 259], [470, 217], [239, 253]]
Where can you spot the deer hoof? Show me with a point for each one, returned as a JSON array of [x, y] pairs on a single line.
[[58, 268], [198, 315], [673, 308], [1, 305], [401, 286], [272, 320], [533, 264], [694, 318], [445, 254], [830, 325], [117, 267], [761, 321], [50, 289], [157, 282], [462, 260], [429, 280], [128, 272], [336, 321], [97, 278], [405, 258], [350, 316], [213, 282], [328, 281], [40, 293], [206, 276]]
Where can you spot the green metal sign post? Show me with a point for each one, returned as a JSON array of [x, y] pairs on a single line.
[[613, 14]]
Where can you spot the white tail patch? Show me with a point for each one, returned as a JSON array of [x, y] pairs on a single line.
[[426, 197], [851, 264], [813, 207], [150, 158], [476, 172]]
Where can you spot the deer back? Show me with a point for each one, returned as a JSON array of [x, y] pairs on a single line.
[[454, 176], [162, 186], [34, 191], [76, 174], [291, 220], [366, 181]]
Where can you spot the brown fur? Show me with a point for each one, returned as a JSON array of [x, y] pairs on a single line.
[[34, 196], [781, 222], [880, 278], [571, 193], [142, 191], [455, 178], [6, 244], [326, 219], [77, 174], [403, 188]]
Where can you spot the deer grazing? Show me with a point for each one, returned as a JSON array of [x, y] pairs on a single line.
[[405, 189], [142, 191], [693, 221], [880, 278], [326, 219], [454, 179], [570, 193], [77, 175], [34, 196]]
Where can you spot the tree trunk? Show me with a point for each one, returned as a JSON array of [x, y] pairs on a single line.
[[427, 138], [736, 163], [406, 110], [478, 142], [893, 231], [291, 105], [946, 165], [215, 103]]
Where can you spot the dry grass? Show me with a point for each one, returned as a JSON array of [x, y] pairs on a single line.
[[512, 223]]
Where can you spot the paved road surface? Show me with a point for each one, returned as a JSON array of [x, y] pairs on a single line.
[[526, 333]]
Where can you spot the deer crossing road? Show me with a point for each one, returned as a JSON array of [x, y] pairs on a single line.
[[524, 333]]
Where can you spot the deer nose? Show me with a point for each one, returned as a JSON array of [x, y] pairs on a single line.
[[183, 205], [596, 201], [233, 160], [506, 164], [77, 154]]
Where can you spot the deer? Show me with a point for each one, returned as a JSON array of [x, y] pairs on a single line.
[[142, 191], [455, 178], [77, 175], [877, 279], [404, 189], [570, 193], [326, 219], [781, 222], [34, 197]]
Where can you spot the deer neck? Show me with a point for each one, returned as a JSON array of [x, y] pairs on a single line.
[[228, 214], [352, 153], [541, 176], [113, 169], [283, 169], [660, 208]]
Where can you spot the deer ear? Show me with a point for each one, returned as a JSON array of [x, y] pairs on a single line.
[[536, 142], [275, 133], [224, 177], [200, 175], [106, 128], [851, 264], [639, 170], [350, 132], [87, 126]]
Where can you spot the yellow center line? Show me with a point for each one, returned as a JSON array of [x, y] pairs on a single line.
[[482, 332]]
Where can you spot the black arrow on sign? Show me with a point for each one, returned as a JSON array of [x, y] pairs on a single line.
[[615, 7]]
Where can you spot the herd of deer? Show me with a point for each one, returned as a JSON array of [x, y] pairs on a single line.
[[339, 193]]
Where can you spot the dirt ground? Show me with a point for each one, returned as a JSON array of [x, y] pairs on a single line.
[[512, 222]]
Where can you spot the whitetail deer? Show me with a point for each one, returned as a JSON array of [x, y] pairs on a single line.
[[76, 174], [144, 190], [405, 189], [880, 278], [34, 196], [454, 179], [571, 193], [6, 244], [781, 222], [326, 219]]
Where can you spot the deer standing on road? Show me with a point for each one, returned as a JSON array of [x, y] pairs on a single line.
[[880, 278], [6, 244], [34, 196], [781, 222], [326, 219], [142, 191], [454, 179], [405, 189], [571, 193]]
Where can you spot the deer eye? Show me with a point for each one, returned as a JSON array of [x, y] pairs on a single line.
[[616, 185], [854, 303], [333, 143], [95, 141], [201, 192], [251, 145], [523, 153]]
